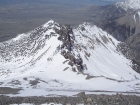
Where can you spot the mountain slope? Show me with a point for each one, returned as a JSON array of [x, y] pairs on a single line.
[[134, 41], [121, 20], [129, 5], [132, 18], [116, 20], [58, 58]]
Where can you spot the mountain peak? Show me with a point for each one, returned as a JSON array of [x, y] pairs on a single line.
[[129, 4], [62, 58], [50, 23]]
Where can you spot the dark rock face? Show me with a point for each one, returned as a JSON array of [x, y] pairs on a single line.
[[81, 94], [131, 54], [67, 37], [8, 90], [134, 42]]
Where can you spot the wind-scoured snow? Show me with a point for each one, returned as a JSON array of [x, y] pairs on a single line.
[[129, 4], [104, 59], [34, 63]]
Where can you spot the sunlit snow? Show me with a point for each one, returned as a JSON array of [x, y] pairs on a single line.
[[40, 71]]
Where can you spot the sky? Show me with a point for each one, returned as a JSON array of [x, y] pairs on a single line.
[[102, 2]]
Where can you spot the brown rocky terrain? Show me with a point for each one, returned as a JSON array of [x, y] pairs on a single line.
[[81, 98]]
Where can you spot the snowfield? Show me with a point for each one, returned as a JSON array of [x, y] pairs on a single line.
[[33, 62]]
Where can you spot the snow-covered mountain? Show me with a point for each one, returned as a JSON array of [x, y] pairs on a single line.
[[131, 20], [120, 20], [53, 58], [131, 23], [129, 4]]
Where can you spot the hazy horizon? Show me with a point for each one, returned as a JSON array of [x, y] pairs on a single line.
[[66, 2], [20, 16]]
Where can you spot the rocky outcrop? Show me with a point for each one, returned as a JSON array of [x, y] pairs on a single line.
[[131, 54], [81, 94], [134, 42], [67, 48]]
